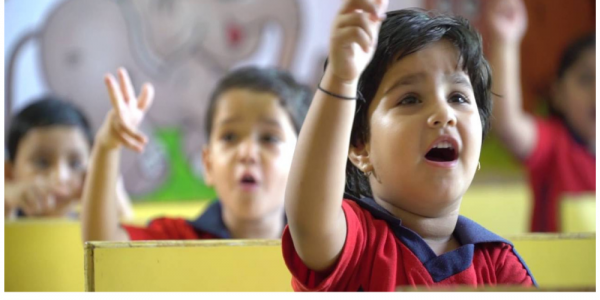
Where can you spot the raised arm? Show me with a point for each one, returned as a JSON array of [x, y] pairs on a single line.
[[507, 23], [100, 207], [315, 186]]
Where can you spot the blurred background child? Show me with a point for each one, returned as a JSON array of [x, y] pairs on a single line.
[[558, 152], [49, 144], [252, 123]]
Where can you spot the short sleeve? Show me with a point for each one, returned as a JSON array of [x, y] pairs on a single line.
[[162, 229], [510, 270], [544, 144], [341, 276]]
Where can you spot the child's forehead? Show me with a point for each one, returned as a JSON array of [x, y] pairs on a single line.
[[439, 60], [439, 54], [246, 105], [63, 135]]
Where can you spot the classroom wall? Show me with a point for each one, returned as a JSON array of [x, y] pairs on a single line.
[[183, 47]]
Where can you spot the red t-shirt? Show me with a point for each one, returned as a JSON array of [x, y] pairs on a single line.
[[208, 226], [559, 164], [380, 255]]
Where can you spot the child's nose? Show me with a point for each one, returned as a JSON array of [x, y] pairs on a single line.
[[442, 116], [248, 151], [61, 174]]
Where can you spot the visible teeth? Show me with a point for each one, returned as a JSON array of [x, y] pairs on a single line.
[[443, 145]]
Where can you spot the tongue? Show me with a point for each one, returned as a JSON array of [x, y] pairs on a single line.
[[440, 154]]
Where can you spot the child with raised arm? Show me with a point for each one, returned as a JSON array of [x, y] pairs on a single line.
[[558, 152], [399, 120], [252, 123], [49, 144]]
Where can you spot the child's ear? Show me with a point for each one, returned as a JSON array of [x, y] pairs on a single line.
[[207, 163], [359, 156], [8, 170]]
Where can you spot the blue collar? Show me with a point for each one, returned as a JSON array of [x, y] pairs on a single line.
[[211, 221], [450, 263]]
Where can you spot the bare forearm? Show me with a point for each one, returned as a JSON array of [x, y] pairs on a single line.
[[513, 125], [316, 182], [100, 211]]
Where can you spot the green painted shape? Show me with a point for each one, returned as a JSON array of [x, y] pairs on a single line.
[[181, 183]]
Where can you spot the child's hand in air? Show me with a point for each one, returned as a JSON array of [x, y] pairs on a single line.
[[36, 197], [122, 122], [506, 20], [354, 37]]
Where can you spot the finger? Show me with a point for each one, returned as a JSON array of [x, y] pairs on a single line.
[[367, 6], [31, 202], [128, 141], [47, 203], [116, 97], [50, 203], [146, 97], [361, 20], [349, 35], [121, 127], [126, 87], [45, 191]]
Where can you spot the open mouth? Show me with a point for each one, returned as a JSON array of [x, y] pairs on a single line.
[[248, 179], [442, 152], [248, 182]]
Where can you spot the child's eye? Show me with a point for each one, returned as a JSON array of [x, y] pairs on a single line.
[[269, 138], [228, 137], [408, 100], [41, 163], [76, 164], [586, 80], [459, 98]]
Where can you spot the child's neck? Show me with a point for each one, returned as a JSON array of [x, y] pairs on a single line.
[[268, 227], [437, 231]]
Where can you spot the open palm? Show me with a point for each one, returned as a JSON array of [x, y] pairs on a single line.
[[121, 125]]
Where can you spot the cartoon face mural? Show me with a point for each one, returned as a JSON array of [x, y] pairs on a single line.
[[181, 46]]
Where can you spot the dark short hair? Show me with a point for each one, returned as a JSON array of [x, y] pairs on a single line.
[[293, 96], [573, 52], [45, 112], [405, 32]]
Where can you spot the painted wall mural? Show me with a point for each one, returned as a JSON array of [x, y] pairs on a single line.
[[182, 46]]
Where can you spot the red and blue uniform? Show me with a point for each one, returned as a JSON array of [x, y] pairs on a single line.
[[208, 226], [559, 164], [380, 254]]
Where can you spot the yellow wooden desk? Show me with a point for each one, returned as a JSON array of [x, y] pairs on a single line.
[[557, 262], [43, 255], [233, 265]]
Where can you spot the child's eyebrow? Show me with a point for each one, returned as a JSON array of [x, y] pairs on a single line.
[[454, 78], [230, 120], [460, 79], [271, 122], [406, 80]]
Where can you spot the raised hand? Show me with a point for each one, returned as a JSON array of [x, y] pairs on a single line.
[[506, 20], [122, 122], [354, 37], [36, 197]]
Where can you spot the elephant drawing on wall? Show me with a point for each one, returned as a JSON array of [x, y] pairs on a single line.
[[181, 46]]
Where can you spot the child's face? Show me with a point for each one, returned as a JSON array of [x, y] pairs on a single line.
[[420, 103], [575, 96], [59, 154], [249, 154]]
